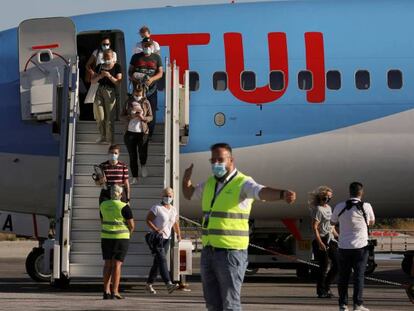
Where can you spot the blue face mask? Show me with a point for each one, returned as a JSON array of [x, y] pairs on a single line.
[[167, 200], [113, 157], [219, 169]]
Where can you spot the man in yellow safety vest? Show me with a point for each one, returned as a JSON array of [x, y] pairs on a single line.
[[226, 197]]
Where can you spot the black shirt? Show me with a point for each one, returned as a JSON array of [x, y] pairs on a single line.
[[148, 65], [116, 69]]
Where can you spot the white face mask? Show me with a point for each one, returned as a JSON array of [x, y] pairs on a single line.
[[147, 51], [108, 61], [137, 98], [105, 46], [167, 200]]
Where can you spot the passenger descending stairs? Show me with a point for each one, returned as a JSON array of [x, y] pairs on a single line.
[[85, 254]]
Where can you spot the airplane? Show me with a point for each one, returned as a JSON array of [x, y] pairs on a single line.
[[307, 93]]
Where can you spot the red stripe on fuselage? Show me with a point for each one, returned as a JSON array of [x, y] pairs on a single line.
[[47, 46]]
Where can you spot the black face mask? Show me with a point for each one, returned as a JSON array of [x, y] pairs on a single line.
[[326, 199]]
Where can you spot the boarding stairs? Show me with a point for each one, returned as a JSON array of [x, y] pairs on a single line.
[[77, 249], [85, 254]]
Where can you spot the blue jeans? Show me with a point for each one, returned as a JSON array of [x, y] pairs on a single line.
[[222, 274], [355, 259], [160, 263]]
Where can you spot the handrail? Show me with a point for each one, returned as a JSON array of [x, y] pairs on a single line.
[[66, 170]]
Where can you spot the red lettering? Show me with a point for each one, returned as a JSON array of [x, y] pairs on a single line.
[[178, 44], [278, 59], [315, 62]]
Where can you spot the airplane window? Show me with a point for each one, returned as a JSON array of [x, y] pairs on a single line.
[[305, 80], [194, 81], [395, 80], [362, 80], [161, 83], [220, 81], [277, 80], [333, 80], [248, 80]]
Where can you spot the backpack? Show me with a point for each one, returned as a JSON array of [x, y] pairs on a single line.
[[360, 206]]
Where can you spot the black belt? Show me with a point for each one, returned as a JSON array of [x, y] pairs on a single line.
[[220, 249]]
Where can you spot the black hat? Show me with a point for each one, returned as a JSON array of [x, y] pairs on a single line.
[[146, 40]]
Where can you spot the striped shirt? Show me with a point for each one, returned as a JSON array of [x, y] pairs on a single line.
[[115, 174]]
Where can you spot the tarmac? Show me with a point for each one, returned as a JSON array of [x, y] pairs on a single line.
[[270, 289]]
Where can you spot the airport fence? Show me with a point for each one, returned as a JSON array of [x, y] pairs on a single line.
[[393, 240]]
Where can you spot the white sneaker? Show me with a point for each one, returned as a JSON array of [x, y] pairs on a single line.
[[343, 308], [360, 308], [144, 171], [100, 140], [134, 181], [150, 289], [172, 287]]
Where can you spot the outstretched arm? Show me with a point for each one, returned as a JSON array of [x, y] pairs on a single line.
[[272, 194]]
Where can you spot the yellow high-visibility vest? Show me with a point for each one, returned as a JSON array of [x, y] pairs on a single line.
[[113, 223], [228, 223]]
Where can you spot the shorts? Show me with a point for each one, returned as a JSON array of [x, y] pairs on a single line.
[[114, 249]]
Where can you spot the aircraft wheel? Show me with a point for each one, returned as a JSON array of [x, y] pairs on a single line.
[[34, 265], [407, 263], [303, 271], [371, 265], [251, 271]]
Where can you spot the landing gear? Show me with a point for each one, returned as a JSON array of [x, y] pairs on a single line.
[[371, 265], [307, 272], [408, 262], [61, 283], [35, 265]]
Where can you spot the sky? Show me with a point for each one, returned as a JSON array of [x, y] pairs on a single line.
[[18, 10]]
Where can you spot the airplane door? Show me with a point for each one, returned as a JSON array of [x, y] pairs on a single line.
[[46, 47]]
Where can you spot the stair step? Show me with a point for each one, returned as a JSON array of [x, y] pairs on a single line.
[[153, 170], [92, 147], [95, 224], [143, 257], [87, 234], [85, 158], [88, 212], [95, 246], [136, 191], [91, 136], [156, 181], [119, 126], [144, 203], [94, 270]]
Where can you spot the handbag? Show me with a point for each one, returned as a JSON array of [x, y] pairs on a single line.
[[153, 240], [90, 96]]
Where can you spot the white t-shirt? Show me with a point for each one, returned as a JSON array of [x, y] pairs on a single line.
[[155, 48], [98, 53], [353, 231], [164, 219], [249, 192], [323, 214]]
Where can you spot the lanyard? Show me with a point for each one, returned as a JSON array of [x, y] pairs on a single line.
[[216, 193]]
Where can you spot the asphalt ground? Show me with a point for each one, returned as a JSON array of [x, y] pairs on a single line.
[[270, 289]]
